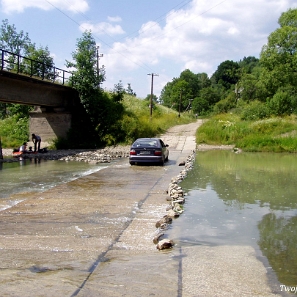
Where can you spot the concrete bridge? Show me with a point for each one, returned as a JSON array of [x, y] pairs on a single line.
[[53, 102]]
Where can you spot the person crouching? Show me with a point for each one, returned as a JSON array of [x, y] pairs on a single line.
[[23, 148]]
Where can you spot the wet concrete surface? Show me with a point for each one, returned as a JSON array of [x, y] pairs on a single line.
[[94, 237]]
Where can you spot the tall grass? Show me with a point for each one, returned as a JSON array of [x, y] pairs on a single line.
[[267, 135], [137, 121]]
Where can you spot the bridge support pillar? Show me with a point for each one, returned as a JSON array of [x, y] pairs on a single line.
[[49, 125]]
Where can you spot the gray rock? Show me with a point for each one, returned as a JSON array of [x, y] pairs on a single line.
[[165, 244], [172, 214], [157, 237], [164, 220]]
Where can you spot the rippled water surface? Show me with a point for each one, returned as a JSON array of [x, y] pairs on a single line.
[[38, 175], [247, 199]]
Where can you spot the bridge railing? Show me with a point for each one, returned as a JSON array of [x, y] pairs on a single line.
[[33, 68]]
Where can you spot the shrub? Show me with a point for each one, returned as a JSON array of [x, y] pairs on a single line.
[[281, 103], [14, 131], [225, 105], [254, 110]]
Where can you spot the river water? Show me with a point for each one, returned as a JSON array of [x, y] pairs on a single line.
[[37, 175], [232, 199], [244, 199]]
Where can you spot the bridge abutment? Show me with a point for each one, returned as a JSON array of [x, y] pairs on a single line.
[[49, 124]]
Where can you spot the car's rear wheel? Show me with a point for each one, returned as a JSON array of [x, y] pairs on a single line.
[[132, 163]]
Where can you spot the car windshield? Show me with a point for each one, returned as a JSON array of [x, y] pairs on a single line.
[[146, 143]]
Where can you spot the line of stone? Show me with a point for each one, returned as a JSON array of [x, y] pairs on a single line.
[[176, 198]]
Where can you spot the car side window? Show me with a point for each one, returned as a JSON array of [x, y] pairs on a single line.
[[162, 143]]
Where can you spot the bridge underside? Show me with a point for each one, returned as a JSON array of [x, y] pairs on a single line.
[[53, 103]]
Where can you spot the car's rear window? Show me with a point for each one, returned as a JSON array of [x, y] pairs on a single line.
[[145, 143]]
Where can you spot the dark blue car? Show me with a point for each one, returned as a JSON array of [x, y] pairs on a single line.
[[148, 150]]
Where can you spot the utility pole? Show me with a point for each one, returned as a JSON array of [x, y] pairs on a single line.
[[180, 99], [151, 103]]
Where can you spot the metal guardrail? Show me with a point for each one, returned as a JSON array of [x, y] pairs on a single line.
[[26, 66]]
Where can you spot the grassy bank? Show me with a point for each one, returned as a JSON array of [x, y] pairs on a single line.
[[137, 121], [277, 134]]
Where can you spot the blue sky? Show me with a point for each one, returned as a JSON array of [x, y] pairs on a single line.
[[137, 37]]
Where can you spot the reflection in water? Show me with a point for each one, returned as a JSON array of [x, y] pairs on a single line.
[[278, 241], [247, 198]]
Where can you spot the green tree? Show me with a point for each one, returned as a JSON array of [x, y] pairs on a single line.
[[181, 94], [246, 89], [19, 110], [200, 106], [288, 18], [85, 79], [279, 57], [42, 64], [11, 40], [166, 94], [148, 98], [19, 43], [203, 80], [247, 64], [227, 74], [3, 110], [281, 102], [192, 81], [103, 111], [130, 91], [207, 98], [180, 91]]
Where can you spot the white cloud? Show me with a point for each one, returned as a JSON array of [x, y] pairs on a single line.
[[199, 37], [102, 28], [115, 19], [233, 31], [76, 6]]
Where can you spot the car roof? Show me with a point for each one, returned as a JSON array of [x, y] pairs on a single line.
[[147, 141], [154, 138]]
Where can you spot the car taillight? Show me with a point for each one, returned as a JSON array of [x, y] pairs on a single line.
[[158, 153], [132, 152]]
